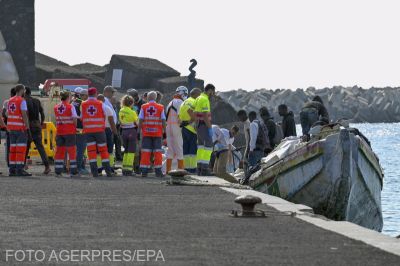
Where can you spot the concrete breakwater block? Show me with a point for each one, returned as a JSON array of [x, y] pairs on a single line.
[[8, 72], [350, 102]]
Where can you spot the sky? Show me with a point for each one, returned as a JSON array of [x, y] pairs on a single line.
[[238, 44]]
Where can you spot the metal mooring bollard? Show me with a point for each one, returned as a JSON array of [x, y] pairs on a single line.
[[248, 202]]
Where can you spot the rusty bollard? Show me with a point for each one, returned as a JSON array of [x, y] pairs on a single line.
[[248, 203]]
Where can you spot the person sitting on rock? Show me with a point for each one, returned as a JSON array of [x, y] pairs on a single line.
[[311, 113]]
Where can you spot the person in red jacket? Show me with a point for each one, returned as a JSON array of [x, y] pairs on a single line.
[[152, 125], [18, 128], [66, 120], [93, 120]]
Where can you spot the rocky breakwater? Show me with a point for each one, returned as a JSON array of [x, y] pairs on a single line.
[[372, 105]]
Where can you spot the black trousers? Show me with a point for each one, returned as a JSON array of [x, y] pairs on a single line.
[[37, 139], [118, 144]]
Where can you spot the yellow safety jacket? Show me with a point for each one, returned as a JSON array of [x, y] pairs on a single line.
[[202, 107], [127, 117], [184, 115]]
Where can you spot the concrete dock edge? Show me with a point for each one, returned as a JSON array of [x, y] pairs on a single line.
[[305, 213]]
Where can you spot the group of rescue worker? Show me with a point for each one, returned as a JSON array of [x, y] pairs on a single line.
[[86, 122], [93, 123]]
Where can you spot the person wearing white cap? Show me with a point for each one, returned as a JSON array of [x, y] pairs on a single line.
[[77, 91], [173, 130]]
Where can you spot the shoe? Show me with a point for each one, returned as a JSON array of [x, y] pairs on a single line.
[[75, 175], [47, 170], [128, 173], [206, 172], [59, 175], [23, 173], [111, 174], [144, 174], [159, 173], [12, 174], [84, 172]]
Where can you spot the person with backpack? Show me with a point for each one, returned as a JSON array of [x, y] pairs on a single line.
[[259, 141], [275, 134]]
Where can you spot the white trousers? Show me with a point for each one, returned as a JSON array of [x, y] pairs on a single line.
[[174, 142]]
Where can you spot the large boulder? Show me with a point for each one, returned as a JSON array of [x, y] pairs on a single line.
[[126, 72], [92, 69]]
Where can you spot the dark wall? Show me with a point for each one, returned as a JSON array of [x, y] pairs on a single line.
[[17, 24]]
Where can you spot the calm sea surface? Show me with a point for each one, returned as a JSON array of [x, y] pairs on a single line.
[[385, 141]]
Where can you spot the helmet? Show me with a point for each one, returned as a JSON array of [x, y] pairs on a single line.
[[182, 91]]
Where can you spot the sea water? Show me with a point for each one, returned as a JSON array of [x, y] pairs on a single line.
[[385, 142]]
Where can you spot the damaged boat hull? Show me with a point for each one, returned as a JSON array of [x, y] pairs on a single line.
[[338, 176]]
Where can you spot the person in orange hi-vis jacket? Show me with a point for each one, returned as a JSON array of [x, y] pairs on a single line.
[[66, 120], [93, 120], [152, 125], [18, 128]]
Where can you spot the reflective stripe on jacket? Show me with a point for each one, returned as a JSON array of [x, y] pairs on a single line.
[[152, 125], [93, 116], [64, 120], [14, 118]]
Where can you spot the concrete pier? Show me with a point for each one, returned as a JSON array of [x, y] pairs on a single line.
[[189, 225]]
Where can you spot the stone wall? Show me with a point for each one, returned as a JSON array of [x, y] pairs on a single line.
[[17, 24]]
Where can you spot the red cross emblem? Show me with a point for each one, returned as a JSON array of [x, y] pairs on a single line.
[[12, 107], [151, 110], [91, 110], [61, 109]]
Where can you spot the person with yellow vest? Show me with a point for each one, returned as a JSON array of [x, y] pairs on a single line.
[[128, 119], [173, 129], [18, 128], [93, 120], [189, 135], [152, 125], [66, 120], [204, 130]]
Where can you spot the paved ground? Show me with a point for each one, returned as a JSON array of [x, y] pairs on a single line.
[[190, 225]]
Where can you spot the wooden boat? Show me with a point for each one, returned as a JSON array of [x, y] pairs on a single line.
[[336, 173]]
